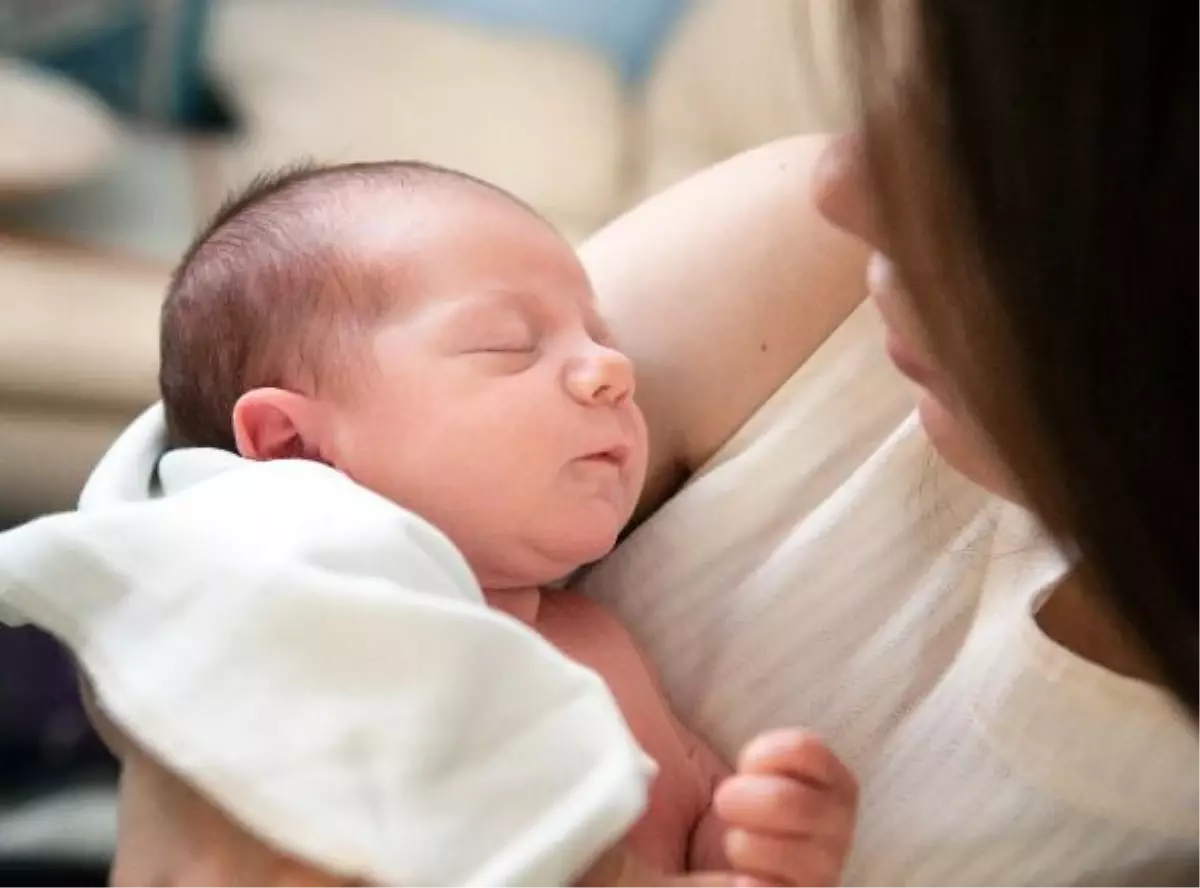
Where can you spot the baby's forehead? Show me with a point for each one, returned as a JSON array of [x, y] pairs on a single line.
[[395, 222], [355, 239], [448, 238]]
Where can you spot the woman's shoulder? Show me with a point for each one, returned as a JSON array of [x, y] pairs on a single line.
[[719, 289]]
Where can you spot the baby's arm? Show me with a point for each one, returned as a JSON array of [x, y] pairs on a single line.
[[706, 850], [786, 817], [620, 867]]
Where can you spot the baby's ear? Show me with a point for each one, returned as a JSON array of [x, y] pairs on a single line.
[[272, 423]]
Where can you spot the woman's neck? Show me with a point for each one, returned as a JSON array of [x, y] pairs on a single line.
[[1083, 623]]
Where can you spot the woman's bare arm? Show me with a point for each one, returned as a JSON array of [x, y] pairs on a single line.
[[719, 288]]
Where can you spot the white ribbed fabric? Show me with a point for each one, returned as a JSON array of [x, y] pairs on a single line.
[[827, 570], [321, 663]]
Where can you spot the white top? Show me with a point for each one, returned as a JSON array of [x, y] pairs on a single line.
[[827, 570]]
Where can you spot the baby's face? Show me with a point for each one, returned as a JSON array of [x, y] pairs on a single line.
[[497, 406]]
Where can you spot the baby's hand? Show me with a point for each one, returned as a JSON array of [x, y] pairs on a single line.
[[790, 808], [621, 868]]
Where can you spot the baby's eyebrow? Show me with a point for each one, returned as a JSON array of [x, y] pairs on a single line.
[[515, 300], [529, 305], [476, 301], [474, 311]]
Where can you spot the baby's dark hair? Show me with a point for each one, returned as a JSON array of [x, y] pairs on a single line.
[[265, 288]]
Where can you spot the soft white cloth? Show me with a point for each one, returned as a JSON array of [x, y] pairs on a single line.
[[321, 662]]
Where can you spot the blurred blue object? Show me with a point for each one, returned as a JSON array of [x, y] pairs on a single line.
[[143, 57], [630, 32]]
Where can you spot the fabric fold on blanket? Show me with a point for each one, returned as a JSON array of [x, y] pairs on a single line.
[[320, 662]]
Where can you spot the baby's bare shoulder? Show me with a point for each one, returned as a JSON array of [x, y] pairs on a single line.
[[570, 612]]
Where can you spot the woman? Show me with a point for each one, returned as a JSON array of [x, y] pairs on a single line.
[[1018, 703]]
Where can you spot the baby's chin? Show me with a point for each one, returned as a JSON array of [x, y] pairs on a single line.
[[581, 551], [550, 558]]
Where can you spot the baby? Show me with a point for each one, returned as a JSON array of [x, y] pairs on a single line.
[[436, 341]]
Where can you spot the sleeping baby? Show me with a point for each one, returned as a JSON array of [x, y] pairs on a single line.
[[436, 341]]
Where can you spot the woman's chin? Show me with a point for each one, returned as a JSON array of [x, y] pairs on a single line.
[[963, 449]]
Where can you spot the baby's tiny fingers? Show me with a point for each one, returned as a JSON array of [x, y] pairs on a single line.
[[786, 861], [769, 803], [801, 755]]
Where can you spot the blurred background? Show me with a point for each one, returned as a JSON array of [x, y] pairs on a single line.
[[123, 124]]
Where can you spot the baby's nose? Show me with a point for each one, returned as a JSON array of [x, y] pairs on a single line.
[[604, 377]]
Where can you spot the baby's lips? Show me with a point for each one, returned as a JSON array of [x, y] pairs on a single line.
[[616, 454]]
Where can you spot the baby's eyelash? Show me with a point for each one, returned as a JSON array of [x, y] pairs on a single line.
[[506, 344]]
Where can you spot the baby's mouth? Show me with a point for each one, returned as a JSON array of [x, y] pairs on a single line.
[[616, 456]]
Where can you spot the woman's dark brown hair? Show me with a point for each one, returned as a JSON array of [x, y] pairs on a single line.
[[1036, 166]]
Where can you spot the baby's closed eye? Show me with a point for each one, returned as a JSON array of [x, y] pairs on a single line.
[[522, 346], [504, 332], [505, 353]]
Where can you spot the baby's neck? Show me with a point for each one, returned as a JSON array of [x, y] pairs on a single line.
[[522, 604]]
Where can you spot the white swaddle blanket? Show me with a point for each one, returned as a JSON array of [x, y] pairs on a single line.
[[321, 663]]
